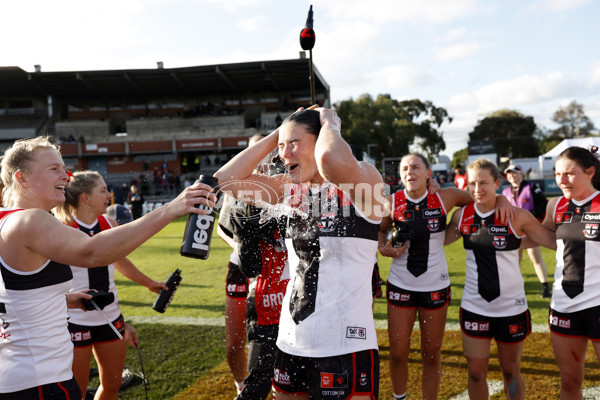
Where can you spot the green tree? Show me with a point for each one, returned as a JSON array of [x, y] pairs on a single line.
[[572, 122], [387, 127], [460, 158], [512, 131]]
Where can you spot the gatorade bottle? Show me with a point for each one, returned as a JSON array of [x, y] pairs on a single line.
[[165, 296], [199, 228]]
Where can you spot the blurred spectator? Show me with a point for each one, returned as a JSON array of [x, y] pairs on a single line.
[[460, 177], [136, 200]]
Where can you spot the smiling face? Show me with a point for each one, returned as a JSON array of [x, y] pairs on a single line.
[[45, 181], [98, 199], [514, 178], [574, 181], [297, 150], [482, 187], [414, 174]]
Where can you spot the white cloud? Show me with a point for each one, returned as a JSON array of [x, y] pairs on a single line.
[[594, 74], [526, 89], [436, 11], [558, 5], [457, 51], [399, 78], [461, 102], [252, 23], [453, 35]]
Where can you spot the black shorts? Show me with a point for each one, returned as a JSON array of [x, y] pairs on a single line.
[[84, 335], [65, 390], [513, 329], [399, 297], [236, 284], [328, 378], [584, 323]]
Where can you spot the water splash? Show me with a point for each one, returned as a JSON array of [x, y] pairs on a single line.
[[270, 211]]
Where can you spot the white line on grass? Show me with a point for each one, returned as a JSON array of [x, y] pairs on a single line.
[[493, 388]]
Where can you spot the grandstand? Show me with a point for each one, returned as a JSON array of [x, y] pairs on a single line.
[[123, 123]]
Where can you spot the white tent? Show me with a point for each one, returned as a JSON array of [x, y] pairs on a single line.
[[547, 160]]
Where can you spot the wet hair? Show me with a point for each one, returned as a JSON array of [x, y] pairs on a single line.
[[20, 157], [484, 163], [419, 155], [585, 159], [311, 119], [81, 182]]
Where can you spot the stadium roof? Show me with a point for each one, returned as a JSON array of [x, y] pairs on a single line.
[[261, 78]]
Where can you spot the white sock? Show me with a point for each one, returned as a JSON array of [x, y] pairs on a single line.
[[399, 396], [239, 386]]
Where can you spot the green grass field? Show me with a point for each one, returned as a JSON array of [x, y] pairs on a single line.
[[177, 355]]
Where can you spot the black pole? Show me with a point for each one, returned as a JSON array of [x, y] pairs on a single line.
[[307, 41], [312, 79]]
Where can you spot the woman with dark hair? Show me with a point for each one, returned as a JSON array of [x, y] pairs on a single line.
[[327, 340], [87, 198], [493, 304], [575, 305], [36, 250]]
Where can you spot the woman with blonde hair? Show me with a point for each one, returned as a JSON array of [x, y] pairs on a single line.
[[493, 304], [87, 198], [36, 250]]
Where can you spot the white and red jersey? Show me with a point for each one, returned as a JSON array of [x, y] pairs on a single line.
[[426, 217], [327, 308], [267, 291], [35, 344], [99, 278], [494, 286], [577, 274]]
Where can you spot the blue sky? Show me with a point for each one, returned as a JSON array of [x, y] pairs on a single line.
[[468, 56]]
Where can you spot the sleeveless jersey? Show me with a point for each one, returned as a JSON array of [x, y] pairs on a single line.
[[267, 291], [35, 344], [494, 286], [577, 273], [327, 310], [424, 256], [99, 278]]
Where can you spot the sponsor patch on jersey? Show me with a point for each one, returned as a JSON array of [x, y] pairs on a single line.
[[433, 224], [590, 216], [590, 231], [432, 212], [499, 230], [330, 380], [354, 332], [520, 302], [500, 242], [470, 229], [409, 216], [327, 223], [563, 218], [4, 324]]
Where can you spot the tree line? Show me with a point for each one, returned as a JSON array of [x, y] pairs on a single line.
[[386, 127]]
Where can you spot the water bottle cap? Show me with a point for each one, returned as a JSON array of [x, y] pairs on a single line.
[[208, 178]]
